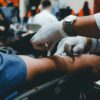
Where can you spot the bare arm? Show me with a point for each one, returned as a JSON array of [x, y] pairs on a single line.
[[86, 26], [66, 64]]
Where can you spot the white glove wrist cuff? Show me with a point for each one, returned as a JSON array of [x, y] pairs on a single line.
[[97, 19], [93, 46], [83, 39], [61, 29]]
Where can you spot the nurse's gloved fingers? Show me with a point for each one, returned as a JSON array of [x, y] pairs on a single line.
[[78, 49], [68, 48], [60, 50], [34, 39]]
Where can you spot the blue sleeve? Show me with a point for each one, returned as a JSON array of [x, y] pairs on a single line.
[[12, 72]]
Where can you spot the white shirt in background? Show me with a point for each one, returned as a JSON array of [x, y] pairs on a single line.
[[43, 18]]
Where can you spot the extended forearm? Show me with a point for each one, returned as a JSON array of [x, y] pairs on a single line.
[[86, 26], [85, 61], [42, 65], [58, 63]]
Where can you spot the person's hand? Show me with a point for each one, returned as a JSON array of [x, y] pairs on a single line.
[[49, 34], [72, 44]]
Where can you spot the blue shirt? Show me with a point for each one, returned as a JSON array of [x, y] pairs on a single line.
[[12, 72]]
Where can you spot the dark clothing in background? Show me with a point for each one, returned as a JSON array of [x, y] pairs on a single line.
[[34, 3], [6, 23], [65, 12], [24, 46]]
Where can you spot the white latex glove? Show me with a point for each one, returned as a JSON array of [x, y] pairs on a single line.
[[69, 44], [49, 33]]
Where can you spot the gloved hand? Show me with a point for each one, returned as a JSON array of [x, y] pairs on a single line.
[[49, 34], [69, 44]]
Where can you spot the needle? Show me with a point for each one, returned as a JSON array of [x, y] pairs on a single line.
[[71, 55], [69, 52]]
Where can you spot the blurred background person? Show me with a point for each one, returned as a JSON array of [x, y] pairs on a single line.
[[9, 3], [69, 11], [4, 21], [65, 12], [64, 9], [35, 3], [15, 15], [85, 11], [10, 11], [5, 33], [45, 16], [32, 12]]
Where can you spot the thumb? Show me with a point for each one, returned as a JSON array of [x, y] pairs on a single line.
[[78, 49], [34, 39]]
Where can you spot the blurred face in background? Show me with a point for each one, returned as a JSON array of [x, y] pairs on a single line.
[[96, 6]]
